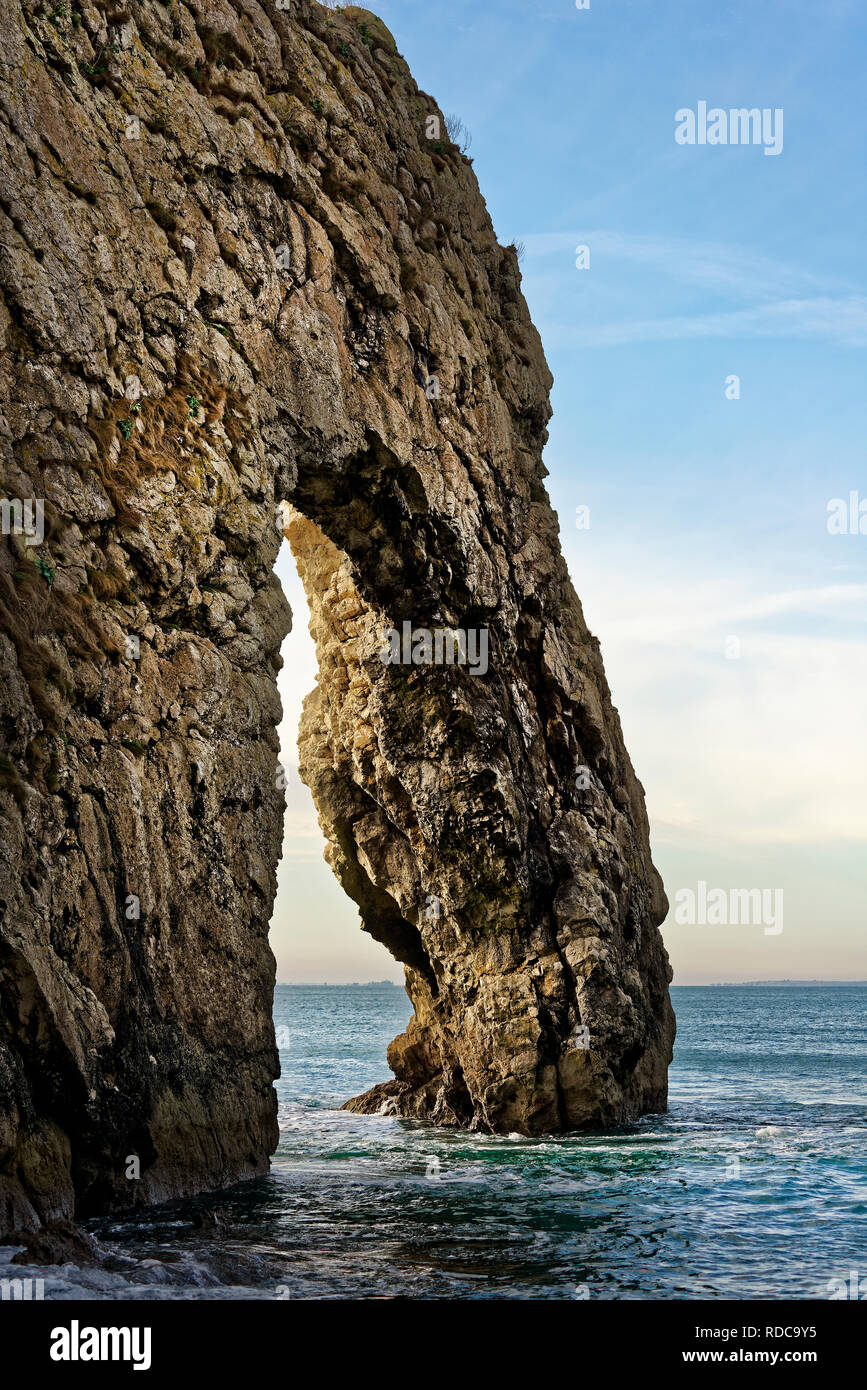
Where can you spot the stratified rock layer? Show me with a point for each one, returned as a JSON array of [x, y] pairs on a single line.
[[234, 258]]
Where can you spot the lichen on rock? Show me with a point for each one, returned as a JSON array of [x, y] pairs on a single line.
[[237, 273]]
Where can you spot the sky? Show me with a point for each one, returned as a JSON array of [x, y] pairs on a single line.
[[733, 622]]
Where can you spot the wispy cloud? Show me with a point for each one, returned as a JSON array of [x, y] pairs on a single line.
[[841, 321], [675, 615], [710, 265], [766, 298]]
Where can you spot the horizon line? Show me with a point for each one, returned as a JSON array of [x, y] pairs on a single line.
[[685, 984]]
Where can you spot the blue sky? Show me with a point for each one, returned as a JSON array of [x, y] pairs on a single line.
[[708, 515]]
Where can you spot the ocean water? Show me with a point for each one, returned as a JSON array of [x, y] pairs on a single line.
[[752, 1186]]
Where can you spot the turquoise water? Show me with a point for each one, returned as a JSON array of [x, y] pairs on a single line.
[[753, 1186]]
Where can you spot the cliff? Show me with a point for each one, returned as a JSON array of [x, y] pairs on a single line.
[[248, 285]]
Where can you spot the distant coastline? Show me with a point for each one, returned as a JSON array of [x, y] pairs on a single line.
[[778, 984], [339, 984], [711, 984]]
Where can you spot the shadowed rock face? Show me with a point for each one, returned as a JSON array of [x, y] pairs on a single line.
[[237, 273]]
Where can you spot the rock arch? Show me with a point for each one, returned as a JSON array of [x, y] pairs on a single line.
[[244, 303]]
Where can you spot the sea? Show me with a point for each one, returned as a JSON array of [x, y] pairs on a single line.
[[753, 1185]]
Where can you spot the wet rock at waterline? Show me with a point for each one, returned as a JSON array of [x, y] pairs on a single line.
[[250, 284]]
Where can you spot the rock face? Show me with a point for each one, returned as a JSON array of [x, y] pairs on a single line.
[[242, 268]]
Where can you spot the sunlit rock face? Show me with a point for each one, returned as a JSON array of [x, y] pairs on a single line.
[[249, 285]]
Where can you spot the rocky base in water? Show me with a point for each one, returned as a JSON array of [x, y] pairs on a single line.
[[240, 269]]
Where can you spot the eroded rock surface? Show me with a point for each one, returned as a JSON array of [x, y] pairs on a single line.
[[234, 262]]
